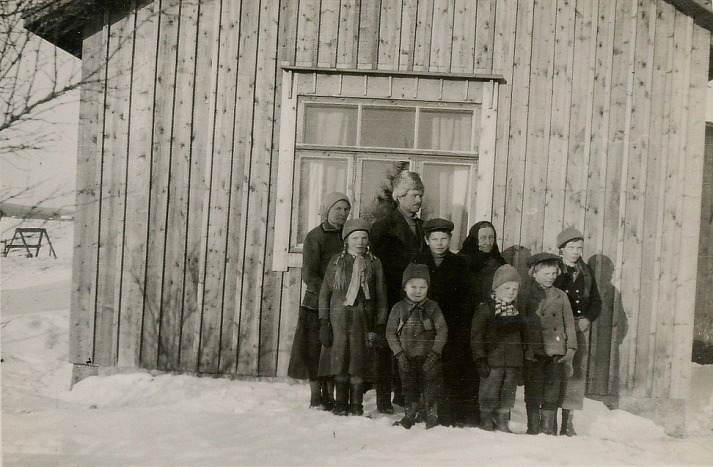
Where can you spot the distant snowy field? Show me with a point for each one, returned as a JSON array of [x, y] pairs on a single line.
[[144, 419]]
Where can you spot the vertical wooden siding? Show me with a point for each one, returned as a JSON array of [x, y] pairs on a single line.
[[598, 127]]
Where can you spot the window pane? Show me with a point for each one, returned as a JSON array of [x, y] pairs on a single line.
[[388, 127], [447, 130], [330, 124], [446, 196], [318, 177], [375, 182]]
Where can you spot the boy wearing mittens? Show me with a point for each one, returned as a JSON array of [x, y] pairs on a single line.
[[416, 333], [497, 337]]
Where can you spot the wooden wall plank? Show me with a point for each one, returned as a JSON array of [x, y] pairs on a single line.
[[703, 329], [655, 181], [389, 35], [267, 294], [201, 148], [179, 181], [308, 33], [568, 105], [290, 303], [287, 48], [517, 136], [86, 215], [464, 32], [113, 190], [664, 345], [138, 186], [503, 57], [422, 44], [239, 185], [638, 160], [328, 33], [442, 35], [407, 47], [485, 35], [538, 129], [348, 43], [160, 166], [691, 214], [257, 199], [369, 27]]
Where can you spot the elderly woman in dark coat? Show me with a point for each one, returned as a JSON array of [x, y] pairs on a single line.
[[352, 303], [320, 245], [480, 249]]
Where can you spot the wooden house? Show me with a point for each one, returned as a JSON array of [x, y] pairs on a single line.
[[209, 130]]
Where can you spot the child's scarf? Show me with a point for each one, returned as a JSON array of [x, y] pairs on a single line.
[[357, 280], [504, 309]]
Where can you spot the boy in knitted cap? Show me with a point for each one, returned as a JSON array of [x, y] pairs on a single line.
[[416, 332], [497, 337]]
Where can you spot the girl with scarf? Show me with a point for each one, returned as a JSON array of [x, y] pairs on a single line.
[[352, 302], [482, 254], [320, 244]]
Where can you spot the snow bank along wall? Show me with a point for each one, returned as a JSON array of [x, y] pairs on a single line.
[[586, 113]]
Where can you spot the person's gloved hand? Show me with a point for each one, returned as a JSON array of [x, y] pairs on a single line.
[[481, 365], [373, 340], [431, 361], [568, 357], [326, 337], [403, 362]]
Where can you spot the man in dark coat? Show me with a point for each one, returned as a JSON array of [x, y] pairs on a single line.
[[452, 287], [578, 282], [397, 240]]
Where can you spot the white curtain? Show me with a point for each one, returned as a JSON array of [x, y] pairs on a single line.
[[445, 130]]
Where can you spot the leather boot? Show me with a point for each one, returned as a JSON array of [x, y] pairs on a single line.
[[502, 417], [409, 418], [533, 421], [432, 416], [327, 393], [486, 420], [356, 399], [315, 401], [549, 422], [342, 398], [567, 428]]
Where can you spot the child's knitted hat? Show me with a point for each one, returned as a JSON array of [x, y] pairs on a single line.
[[416, 271], [505, 273]]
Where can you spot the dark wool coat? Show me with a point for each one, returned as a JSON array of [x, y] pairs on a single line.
[[414, 338], [499, 339], [583, 292], [395, 244], [321, 243], [452, 287], [550, 325], [482, 265], [349, 353]]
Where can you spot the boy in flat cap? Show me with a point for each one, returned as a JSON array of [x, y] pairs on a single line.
[[550, 342], [453, 288], [497, 338], [416, 333], [577, 281]]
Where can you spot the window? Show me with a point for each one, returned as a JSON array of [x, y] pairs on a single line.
[[357, 139]]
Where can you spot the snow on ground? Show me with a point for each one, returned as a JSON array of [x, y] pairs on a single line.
[[145, 419]]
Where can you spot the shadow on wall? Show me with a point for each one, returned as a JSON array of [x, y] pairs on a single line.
[[607, 333]]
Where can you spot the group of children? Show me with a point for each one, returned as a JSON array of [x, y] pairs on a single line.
[[523, 330]]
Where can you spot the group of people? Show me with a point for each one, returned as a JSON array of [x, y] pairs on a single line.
[[389, 306]]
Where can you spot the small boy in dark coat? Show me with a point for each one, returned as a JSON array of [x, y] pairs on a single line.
[[416, 332], [497, 338], [551, 342]]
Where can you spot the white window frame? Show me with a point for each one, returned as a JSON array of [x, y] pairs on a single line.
[[288, 179]]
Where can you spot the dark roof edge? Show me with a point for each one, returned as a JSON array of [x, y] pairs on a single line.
[[702, 15]]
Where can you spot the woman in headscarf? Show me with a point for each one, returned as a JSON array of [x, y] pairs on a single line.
[[352, 303], [482, 254], [320, 244]]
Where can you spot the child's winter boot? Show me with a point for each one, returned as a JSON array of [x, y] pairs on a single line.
[[431, 416], [315, 400], [327, 393], [533, 421], [409, 418], [502, 417], [549, 422], [341, 401], [356, 399], [567, 428], [486, 420]]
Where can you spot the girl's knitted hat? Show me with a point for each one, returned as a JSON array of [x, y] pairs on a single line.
[[505, 273], [352, 225], [416, 271]]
